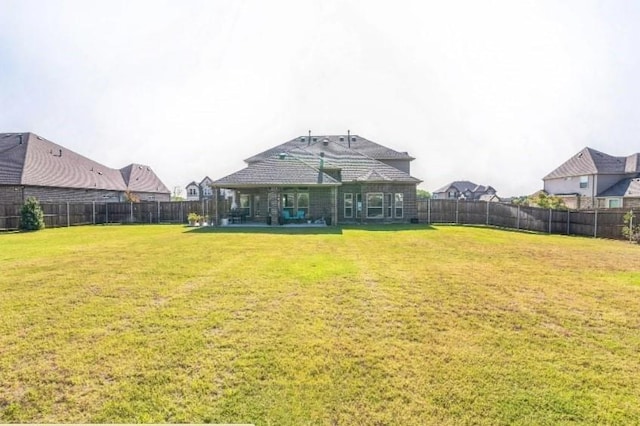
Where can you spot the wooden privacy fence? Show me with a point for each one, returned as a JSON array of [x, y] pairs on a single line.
[[91, 213], [597, 223]]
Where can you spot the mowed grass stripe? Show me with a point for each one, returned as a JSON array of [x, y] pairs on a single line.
[[443, 325]]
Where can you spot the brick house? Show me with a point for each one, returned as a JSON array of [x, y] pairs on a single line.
[[340, 179], [31, 166], [593, 179]]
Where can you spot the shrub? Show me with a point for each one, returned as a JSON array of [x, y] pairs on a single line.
[[194, 217], [31, 216], [631, 228]]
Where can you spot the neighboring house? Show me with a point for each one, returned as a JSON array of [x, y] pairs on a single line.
[[31, 166], [465, 190], [339, 179], [200, 191], [593, 179]]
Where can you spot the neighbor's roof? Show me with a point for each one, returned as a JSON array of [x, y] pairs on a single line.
[[625, 188], [357, 143], [462, 186], [28, 159], [140, 178], [590, 161]]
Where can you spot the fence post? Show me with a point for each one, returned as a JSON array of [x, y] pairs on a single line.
[[518, 219], [568, 222], [595, 224], [158, 211], [429, 211], [488, 212], [68, 218], [457, 204], [131, 210], [93, 211], [550, 218], [631, 225], [106, 212]]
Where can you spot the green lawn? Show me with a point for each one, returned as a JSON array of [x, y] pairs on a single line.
[[404, 325]]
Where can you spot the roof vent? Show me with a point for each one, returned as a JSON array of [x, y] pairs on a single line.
[[341, 138], [302, 139], [282, 155], [315, 139], [325, 141], [353, 139]]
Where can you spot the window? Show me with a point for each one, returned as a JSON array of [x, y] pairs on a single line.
[[452, 194], [388, 205], [292, 202], [358, 205], [192, 191], [303, 203], [584, 181], [613, 203], [374, 205], [399, 204], [288, 202], [245, 204], [348, 205]]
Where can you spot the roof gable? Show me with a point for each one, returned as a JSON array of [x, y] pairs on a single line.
[[140, 178], [590, 162], [625, 188]]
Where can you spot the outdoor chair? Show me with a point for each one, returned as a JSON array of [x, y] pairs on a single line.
[[300, 215], [285, 215]]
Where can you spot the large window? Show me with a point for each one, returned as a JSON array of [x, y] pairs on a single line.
[[245, 204], [399, 204], [294, 202], [374, 205], [584, 181], [348, 205], [358, 206]]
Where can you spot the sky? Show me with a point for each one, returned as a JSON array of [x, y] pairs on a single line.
[[496, 92]]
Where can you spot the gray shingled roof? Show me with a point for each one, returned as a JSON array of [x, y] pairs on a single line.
[[140, 178], [358, 143], [289, 170], [462, 186], [590, 161], [301, 165], [625, 188], [28, 159]]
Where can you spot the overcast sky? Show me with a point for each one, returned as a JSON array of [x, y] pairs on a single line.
[[496, 92]]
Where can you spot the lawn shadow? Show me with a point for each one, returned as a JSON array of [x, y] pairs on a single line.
[[391, 227], [307, 230], [278, 230]]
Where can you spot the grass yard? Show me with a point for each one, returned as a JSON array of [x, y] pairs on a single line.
[[409, 325]]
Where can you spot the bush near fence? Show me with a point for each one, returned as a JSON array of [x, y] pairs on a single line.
[[72, 214], [598, 223]]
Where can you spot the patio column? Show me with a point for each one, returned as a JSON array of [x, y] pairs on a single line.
[[273, 200]]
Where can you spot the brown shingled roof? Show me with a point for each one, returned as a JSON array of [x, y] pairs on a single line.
[[29, 159]]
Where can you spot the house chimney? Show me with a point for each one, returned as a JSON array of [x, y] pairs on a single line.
[[349, 138]]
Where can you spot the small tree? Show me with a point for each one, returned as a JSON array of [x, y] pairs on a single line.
[[631, 228], [31, 216]]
